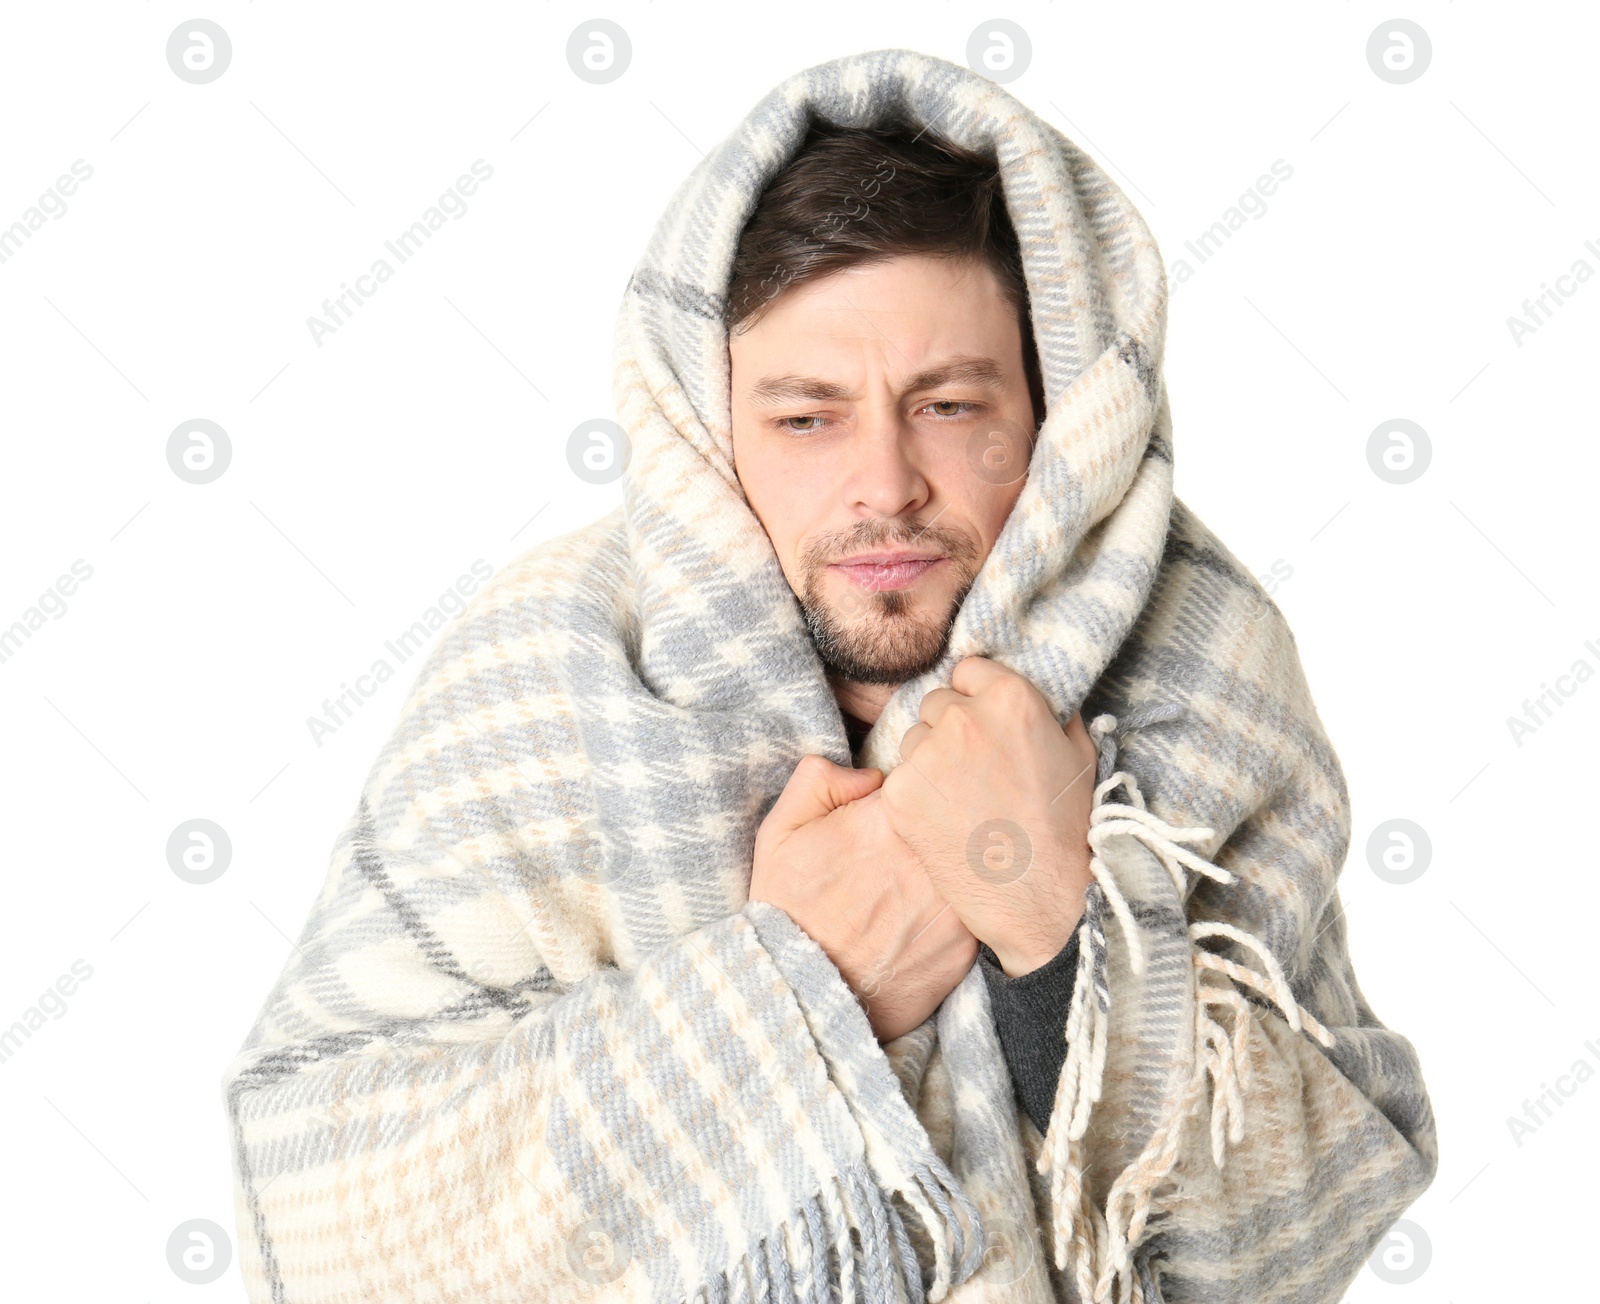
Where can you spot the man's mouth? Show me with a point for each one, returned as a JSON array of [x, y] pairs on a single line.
[[879, 571]]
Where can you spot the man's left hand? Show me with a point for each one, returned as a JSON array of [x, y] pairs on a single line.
[[993, 795]]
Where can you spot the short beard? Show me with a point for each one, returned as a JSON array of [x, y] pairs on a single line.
[[883, 644]]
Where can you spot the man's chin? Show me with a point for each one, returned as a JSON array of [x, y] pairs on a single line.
[[879, 638]]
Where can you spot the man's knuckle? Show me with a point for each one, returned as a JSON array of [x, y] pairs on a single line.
[[964, 724], [811, 768], [1012, 687]]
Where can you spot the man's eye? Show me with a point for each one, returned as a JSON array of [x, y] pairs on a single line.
[[783, 423], [952, 402]]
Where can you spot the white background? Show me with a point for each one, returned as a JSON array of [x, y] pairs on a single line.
[[369, 472]]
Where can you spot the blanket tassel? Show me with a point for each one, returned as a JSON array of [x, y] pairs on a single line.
[[843, 1244], [1099, 1245]]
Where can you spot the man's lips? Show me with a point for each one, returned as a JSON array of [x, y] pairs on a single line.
[[876, 572]]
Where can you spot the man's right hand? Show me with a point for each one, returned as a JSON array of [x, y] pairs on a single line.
[[827, 856]]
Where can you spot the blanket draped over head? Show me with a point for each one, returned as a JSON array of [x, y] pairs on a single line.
[[536, 1043]]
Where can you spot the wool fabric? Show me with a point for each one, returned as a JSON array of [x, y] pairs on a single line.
[[535, 1043]]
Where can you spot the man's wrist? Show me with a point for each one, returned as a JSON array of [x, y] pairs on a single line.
[[1028, 945], [1029, 921], [1016, 963]]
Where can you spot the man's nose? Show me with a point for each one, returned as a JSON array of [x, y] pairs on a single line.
[[883, 476]]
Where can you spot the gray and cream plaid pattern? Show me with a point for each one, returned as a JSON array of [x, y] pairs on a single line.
[[535, 1044]]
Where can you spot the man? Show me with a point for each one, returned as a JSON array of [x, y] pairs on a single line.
[[915, 303], [741, 861]]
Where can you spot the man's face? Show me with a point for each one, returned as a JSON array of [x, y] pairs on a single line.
[[881, 430]]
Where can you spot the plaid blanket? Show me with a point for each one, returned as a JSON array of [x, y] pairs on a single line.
[[535, 1042]]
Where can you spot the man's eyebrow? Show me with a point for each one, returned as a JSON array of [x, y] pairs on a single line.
[[773, 391]]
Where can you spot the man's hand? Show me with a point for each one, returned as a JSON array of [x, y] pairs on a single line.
[[993, 796], [826, 855]]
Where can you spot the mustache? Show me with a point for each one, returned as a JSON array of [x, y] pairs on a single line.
[[905, 531]]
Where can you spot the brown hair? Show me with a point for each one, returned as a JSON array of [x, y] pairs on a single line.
[[855, 195]]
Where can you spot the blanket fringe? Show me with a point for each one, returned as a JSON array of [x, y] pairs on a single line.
[[957, 1248], [946, 1211], [841, 1247], [1100, 1245]]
